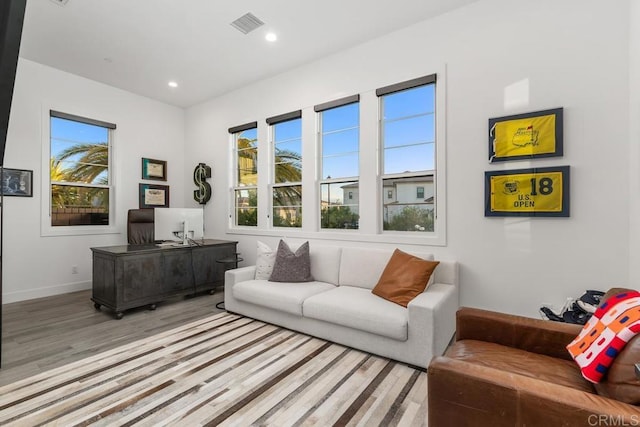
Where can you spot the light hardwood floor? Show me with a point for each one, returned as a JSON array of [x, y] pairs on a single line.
[[45, 333]]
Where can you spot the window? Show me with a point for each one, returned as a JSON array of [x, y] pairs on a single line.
[[408, 146], [339, 135], [79, 169], [245, 140], [286, 158]]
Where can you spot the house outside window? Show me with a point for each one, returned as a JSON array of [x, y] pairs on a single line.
[[80, 173], [245, 189], [339, 136], [286, 160], [408, 146]]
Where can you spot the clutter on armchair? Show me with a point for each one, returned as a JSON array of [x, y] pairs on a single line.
[[606, 334], [576, 311]]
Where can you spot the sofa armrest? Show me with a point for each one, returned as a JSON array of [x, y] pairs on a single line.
[[238, 275], [434, 310], [534, 335], [461, 393]]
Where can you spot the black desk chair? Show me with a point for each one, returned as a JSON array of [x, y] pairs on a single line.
[[140, 224]]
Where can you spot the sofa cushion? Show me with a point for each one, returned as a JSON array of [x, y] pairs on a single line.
[[358, 308], [291, 266], [521, 362], [362, 267], [325, 263], [404, 278], [282, 296]]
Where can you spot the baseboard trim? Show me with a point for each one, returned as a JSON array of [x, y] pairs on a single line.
[[9, 297]]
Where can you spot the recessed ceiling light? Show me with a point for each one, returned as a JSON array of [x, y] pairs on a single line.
[[173, 84], [271, 37]]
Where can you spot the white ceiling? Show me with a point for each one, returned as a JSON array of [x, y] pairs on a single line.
[[140, 45]]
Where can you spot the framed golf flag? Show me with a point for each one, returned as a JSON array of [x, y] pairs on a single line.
[[526, 136], [538, 192]]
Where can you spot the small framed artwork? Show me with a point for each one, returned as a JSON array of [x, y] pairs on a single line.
[[17, 182], [154, 169], [538, 192], [153, 196], [526, 136]]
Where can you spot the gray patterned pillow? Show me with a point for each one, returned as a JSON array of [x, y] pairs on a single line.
[[292, 267]]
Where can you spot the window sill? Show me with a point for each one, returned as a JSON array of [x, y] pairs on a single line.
[[421, 239], [78, 230]]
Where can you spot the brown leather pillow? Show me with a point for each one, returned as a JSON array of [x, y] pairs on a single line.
[[621, 382], [404, 278]]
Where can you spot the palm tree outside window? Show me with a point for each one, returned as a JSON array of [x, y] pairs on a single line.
[[286, 181], [246, 174], [80, 175]]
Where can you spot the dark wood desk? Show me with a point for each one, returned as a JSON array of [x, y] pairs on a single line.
[[129, 276]]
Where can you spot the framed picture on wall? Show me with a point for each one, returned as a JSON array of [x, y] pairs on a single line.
[[154, 169], [538, 192], [17, 182], [153, 196], [526, 136]]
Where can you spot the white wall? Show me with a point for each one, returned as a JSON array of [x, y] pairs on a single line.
[[634, 144], [502, 57], [36, 266]]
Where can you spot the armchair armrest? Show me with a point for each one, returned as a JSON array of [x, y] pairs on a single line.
[[460, 392], [534, 335]]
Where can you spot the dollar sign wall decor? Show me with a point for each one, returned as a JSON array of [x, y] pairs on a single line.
[[200, 174]]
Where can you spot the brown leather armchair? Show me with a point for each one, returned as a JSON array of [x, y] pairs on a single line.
[[506, 370], [140, 223]]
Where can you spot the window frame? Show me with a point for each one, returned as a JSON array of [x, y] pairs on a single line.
[[272, 122], [235, 132], [46, 229], [437, 237], [320, 109], [370, 181]]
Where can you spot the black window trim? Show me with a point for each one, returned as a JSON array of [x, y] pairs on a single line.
[[86, 120], [240, 128], [408, 84], [337, 103], [281, 118]]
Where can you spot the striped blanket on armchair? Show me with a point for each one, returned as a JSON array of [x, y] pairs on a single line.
[[614, 323]]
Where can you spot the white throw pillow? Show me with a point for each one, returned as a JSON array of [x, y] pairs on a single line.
[[265, 259]]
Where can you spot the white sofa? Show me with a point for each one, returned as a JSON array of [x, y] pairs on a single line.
[[339, 306]]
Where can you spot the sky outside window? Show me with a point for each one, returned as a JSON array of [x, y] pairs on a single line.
[[341, 141], [408, 130], [69, 135]]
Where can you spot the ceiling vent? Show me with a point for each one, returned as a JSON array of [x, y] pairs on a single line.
[[60, 2], [245, 24]]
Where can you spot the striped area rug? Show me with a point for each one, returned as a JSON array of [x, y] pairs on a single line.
[[222, 370]]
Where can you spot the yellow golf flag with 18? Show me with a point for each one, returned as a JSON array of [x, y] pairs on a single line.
[[527, 192]]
